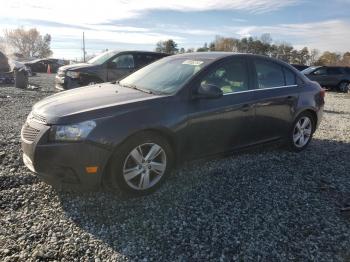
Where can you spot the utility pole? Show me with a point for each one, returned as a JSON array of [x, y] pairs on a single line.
[[84, 46]]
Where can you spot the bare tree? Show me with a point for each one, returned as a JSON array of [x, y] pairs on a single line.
[[314, 55], [169, 47], [346, 59], [266, 38], [29, 43]]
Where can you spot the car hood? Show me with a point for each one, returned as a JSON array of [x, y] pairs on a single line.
[[79, 66], [88, 102]]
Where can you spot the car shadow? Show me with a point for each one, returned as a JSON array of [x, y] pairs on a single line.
[[336, 112], [211, 208]]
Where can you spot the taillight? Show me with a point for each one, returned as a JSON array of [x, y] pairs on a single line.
[[323, 92]]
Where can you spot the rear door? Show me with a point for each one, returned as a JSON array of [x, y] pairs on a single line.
[[218, 125], [120, 66], [275, 97]]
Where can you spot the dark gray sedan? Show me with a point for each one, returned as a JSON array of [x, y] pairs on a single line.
[[130, 134]]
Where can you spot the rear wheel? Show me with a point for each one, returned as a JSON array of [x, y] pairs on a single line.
[[302, 131], [141, 164], [344, 87]]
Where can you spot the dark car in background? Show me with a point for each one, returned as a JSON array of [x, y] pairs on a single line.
[[129, 134], [334, 77], [109, 66], [6, 77], [300, 67], [41, 65]]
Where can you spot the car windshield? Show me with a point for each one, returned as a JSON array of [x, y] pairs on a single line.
[[309, 70], [165, 76], [102, 58]]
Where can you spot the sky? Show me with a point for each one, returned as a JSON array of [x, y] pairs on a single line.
[[140, 24]]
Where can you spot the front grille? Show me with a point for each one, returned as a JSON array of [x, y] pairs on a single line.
[[29, 133], [38, 118]]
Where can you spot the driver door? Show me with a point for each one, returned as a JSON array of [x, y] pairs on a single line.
[[120, 67], [221, 124]]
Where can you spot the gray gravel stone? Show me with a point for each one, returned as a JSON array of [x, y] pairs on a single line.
[[267, 204]]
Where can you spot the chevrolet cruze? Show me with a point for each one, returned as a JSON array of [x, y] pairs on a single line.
[[130, 134]]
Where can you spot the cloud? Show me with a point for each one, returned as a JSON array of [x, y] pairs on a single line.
[[103, 21], [81, 12], [324, 35]]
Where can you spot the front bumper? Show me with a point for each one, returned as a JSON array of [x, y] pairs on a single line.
[[63, 165], [65, 82]]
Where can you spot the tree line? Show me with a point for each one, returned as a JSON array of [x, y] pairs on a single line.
[[263, 45], [30, 43]]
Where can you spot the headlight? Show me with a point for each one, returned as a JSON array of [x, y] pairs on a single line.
[[75, 132], [73, 74]]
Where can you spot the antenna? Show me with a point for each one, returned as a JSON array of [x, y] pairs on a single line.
[[84, 46]]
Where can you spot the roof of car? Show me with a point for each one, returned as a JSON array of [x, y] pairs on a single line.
[[206, 55], [139, 51], [219, 55]]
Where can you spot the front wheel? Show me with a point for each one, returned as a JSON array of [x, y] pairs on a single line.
[[141, 164], [344, 87], [301, 133]]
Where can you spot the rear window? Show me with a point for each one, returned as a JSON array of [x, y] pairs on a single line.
[[145, 59], [269, 74], [289, 76]]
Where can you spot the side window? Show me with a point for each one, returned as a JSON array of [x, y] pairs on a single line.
[[144, 59], [320, 71], [269, 74], [289, 76], [230, 77], [124, 61], [347, 70], [334, 71]]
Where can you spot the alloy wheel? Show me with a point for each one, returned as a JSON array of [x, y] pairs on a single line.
[[144, 166], [302, 132], [345, 87]]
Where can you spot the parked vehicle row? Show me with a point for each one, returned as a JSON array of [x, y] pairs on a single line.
[[109, 66], [41, 65], [129, 134]]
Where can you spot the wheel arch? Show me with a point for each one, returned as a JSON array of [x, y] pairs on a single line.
[[163, 132], [313, 114]]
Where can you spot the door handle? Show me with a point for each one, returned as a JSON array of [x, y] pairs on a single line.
[[289, 98]]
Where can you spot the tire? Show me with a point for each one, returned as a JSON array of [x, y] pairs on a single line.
[[131, 169], [344, 87], [299, 139]]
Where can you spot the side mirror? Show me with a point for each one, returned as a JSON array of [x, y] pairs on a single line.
[[209, 91]]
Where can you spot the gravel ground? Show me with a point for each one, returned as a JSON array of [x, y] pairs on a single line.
[[266, 204]]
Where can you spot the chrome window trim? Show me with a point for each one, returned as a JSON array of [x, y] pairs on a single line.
[[260, 89]]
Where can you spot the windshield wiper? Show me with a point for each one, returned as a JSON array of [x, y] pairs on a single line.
[[136, 88]]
